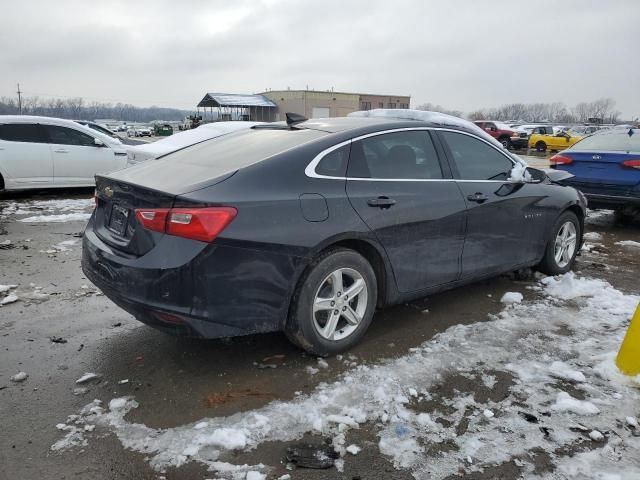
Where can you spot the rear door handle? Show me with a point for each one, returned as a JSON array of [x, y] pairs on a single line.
[[381, 202], [61, 150], [478, 197]]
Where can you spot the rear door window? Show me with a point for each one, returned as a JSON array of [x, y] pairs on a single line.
[[21, 132], [68, 136], [476, 160], [397, 155]]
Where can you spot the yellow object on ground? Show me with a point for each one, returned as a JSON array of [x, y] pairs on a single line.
[[628, 360]]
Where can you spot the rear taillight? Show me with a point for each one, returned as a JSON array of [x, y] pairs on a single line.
[[632, 163], [203, 224], [560, 160], [153, 218]]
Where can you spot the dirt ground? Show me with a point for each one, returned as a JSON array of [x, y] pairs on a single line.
[[177, 380]]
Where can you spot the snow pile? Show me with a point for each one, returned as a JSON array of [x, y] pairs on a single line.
[[511, 297], [519, 173], [49, 211], [525, 339], [593, 236], [628, 243]]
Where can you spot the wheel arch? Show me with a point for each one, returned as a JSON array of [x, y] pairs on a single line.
[[371, 251]]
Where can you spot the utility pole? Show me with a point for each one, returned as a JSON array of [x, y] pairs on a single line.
[[19, 100]]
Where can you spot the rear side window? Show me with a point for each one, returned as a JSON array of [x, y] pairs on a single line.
[[334, 164], [21, 132], [68, 136], [475, 160], [397, 155], [612, 142]]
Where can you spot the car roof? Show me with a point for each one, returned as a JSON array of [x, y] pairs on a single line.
[[37, 119], [343, 124], [62, 122]]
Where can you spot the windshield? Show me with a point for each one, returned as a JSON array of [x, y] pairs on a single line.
[[611, 142]]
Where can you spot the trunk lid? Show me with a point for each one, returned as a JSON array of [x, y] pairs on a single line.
[[603, 168], [115, 222]]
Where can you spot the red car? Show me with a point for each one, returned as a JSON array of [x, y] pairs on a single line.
[[497, 130]]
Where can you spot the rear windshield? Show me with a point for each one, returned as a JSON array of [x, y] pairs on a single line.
[[241, 149], [612, 142]]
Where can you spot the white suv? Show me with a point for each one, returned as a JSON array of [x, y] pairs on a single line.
[[43, 152]]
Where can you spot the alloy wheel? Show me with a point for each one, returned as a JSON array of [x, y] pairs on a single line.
[[339, 304], [565, 244]]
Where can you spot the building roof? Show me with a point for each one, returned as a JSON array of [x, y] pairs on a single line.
[[235, 100]]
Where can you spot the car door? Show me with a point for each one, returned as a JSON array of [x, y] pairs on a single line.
[[76, 157], [399, 188], [503, 217], [25, 159]]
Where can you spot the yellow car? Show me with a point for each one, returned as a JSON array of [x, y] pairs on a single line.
[[557, 142]]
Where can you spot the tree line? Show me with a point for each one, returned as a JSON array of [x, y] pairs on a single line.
[[78, 109], [555, 112]]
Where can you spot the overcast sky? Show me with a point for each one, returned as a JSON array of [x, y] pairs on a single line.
[[462, 54]]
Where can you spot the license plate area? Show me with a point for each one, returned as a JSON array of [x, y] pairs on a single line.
[[118, 220]]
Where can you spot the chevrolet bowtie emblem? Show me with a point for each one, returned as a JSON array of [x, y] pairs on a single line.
[[108, 191]]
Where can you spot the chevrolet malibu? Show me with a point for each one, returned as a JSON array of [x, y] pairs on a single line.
[[308, 227]]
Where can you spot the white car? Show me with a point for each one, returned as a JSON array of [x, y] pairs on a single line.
[[186, 138], [43, 152]]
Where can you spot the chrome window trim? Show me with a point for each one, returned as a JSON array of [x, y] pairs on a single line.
[[310, 170]]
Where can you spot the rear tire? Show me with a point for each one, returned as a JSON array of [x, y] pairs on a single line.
[[506, 142], [334, 303], [541, 146], [562, 246]]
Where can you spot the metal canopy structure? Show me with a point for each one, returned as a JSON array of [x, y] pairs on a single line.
[[231, 106]]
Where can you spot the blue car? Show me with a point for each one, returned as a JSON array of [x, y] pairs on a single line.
[[606, 168]]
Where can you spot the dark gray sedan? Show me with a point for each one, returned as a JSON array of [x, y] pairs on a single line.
[[308, 227]]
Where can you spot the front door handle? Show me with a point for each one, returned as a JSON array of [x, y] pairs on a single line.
[[61, 150], [478, 197], [381, 202]]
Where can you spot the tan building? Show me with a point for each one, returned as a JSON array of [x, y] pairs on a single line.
[[322, 104]]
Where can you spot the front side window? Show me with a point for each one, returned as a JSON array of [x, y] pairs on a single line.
[[21, 132], [67, 136], [397, 155], [476, 160]]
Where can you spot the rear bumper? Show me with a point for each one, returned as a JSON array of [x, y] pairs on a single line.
[[611, 201], [606, 196], [519, 142], [211, 291]]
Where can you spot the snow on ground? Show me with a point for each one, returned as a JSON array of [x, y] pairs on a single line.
[[48, 211], [560, 350], [628, 243]]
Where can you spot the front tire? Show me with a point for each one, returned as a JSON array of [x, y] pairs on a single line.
[[541, 146], [334, 303], [562, 246]]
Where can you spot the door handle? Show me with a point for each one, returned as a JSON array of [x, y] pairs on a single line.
[[381, 202], [61, 150], [478, 197]]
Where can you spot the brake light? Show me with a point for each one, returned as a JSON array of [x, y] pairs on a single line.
[[203, 224], [560, 160], [632, 163], [153, 219]]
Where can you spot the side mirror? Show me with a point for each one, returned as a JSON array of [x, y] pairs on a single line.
[[98, 143], [533, 175]]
